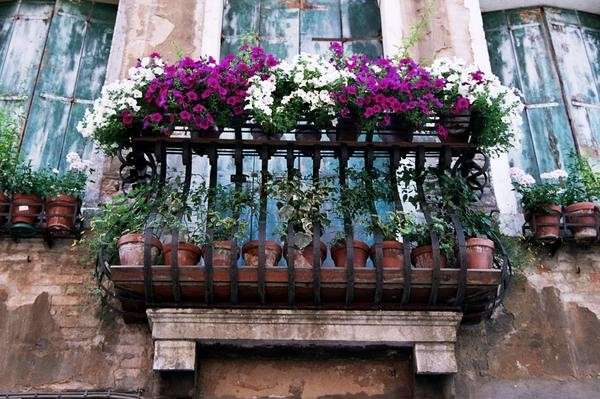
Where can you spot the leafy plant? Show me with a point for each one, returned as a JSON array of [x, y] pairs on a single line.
[[583, 183], [390, 227], [420, 233], [536, 196], [25, 180], [174, 210], [9, 138], [125, 213], [299, 204], [224, 216]]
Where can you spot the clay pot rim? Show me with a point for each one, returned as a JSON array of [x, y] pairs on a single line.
[[255, 243], [356, 244], [62, 198], [419, 249], [581, 206], [131, 238], [322, 247], [547, 210], [388, 244], [186, 246], [481, 242], [32, 197]]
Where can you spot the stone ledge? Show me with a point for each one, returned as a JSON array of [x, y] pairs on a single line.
[[431, 334]]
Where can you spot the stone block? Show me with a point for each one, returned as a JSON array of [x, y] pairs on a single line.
[[174, 356]]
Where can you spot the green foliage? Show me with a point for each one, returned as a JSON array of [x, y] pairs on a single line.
[[25, 180], [299, 204], [72, 182], [175, 211], [9, 139], [125, 213], [420, 233], [535, 198], [224, 217], [494, 135], [583, 183], [356, 201], [390, 227]]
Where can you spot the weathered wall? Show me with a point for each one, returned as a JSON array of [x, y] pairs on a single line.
[[545, 341]]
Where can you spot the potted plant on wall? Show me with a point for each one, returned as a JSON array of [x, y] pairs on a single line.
[[64, 193], [117, 229], [541, 201], [582, 190], [300, 205], [8, 160], [28, 187]]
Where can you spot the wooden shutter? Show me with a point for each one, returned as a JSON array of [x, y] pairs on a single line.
[[23, 32], [287, 27], [521, 56], [70, 78], [575, 37]]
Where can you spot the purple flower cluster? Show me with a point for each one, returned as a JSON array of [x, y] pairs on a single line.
[[382, 90], [202, 94]]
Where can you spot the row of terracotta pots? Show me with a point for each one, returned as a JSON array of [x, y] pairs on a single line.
[[60, 211], [581, 215], [479, 253]]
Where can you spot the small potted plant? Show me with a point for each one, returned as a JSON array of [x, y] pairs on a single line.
[[420, 234], [8, 160], [480, 229], [176, 212], [225, 218], [356, 202], [118, 227], [390, 230], [300, 205], [28, 188], [582, 190], [64, 194], [541, 202]]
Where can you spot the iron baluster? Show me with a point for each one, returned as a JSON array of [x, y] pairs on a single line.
[[348, 231], [262, 223], [378, 246], [290, 239], [212, 185], [316, 240]]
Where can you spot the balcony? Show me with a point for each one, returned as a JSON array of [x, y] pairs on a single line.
[[455, 288]]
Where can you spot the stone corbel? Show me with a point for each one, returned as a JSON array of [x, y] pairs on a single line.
[[432, 335]]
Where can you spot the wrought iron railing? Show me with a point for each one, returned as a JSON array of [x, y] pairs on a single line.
[[148, 157]]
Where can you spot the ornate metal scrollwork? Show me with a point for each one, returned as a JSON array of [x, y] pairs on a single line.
[[136, 166], [473, 167]]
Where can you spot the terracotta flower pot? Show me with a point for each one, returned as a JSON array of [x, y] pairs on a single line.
[[61, 212], [221, 255], [393, 254], [480, 253], [304, 257], [361, 254], [187, 254], [131, 249], [401, 131], [584, 214], [4, 207], [26, 208], [272, 253], [259, 134], [422, 257], [546, 223]]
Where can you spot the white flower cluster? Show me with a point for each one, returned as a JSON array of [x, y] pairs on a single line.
[[312, 78], [77, 164], [461, 78], [519, 176], [120, 95]]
